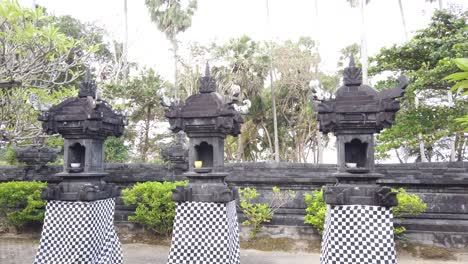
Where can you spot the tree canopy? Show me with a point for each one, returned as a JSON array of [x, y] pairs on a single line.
[[426, 59]]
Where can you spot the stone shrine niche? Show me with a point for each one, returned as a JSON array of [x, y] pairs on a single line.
[[76, 158], [356, 154], [204, 153], [355, 114], [84, 122], [207, 118]]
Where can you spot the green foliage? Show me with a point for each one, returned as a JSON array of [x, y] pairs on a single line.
[[37, 52], [115, 150], [461, 86], [259, 213], [408, 204], [426, 59], [154, 207], [142, 94], [21, 203], [8, 156], [42, 61], [316, 210]]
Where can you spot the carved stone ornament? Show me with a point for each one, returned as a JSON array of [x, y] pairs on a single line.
[[84, 123], [357, 112]]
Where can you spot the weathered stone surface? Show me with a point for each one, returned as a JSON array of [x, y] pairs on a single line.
[[207, 118], [443, 186], [36, 155], [357, 112], [84, 122]]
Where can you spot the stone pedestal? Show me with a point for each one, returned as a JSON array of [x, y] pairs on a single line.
[[79, 232], [205, 229], [358, 234], [205, 233]]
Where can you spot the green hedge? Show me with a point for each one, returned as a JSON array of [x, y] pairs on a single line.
[[21, 203], [155, 209]]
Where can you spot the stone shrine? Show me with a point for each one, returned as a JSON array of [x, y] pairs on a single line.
[[78, 225], [358, 226], [205, 228]]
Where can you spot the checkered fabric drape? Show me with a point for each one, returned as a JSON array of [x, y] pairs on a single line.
[[79, 232], [358, 234], [205, 233]]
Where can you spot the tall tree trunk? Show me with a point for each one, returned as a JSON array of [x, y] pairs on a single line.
[[146, 138], [240, 147], [125, 52], [398, 156], [403, 19], [453, 139], [267, 133], [175, 48], [421, 142], [273, 96], [364, 44]]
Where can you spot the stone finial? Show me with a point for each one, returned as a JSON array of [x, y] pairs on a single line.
[[207, 84], [352, 75], [88, 87]]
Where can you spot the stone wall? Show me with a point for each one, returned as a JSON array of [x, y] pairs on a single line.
[[443, 186]]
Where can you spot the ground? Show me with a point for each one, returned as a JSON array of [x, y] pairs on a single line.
[[19, 251]]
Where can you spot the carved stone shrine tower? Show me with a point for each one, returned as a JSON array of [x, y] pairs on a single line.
[[78, 226], [205, 227], [358, 226]]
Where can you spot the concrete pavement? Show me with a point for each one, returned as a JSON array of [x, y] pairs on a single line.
[[19, 251]]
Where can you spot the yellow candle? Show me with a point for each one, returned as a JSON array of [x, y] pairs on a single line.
[[198, 164]]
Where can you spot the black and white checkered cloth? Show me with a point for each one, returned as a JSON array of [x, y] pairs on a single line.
[[358, 234], [79, 232], [205, 233]]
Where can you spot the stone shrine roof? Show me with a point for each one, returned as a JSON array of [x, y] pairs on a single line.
[[206, 111], [358, 107], [83, 116]]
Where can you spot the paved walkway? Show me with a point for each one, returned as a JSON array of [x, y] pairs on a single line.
[[14, 251]]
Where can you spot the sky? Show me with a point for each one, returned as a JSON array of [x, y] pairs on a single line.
[[336, 26]]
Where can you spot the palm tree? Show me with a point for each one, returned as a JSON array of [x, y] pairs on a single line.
[[172, 18]]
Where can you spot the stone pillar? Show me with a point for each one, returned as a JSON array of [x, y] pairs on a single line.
[[205, 227], [79, 217], [358, 226]]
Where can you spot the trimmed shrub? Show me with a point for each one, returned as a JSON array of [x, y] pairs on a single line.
[[154, 208], [21, 203], [410, 204], [316, 210]]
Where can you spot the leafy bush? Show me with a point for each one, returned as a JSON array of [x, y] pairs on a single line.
[[8, 156], [260, 213], [155, 209], [21, 203], [407, 204], [316, 210]]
